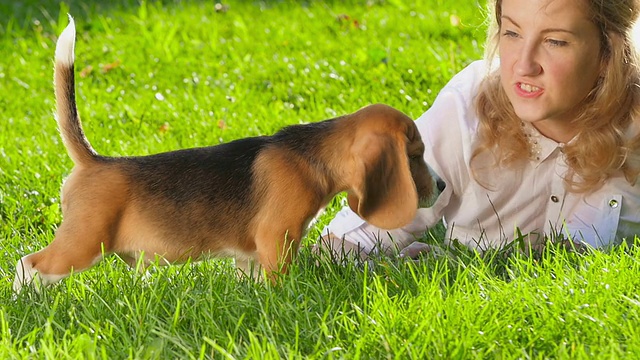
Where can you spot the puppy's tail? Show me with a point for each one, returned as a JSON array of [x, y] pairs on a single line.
[[67, 116]]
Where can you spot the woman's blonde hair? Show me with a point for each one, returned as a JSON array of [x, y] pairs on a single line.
[[603, 145]]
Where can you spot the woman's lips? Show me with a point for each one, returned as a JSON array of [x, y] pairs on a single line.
[[527, 90]]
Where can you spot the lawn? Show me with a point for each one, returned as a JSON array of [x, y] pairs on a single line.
[[154, 76]]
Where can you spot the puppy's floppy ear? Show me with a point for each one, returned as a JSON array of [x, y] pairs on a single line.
[[382, 189]]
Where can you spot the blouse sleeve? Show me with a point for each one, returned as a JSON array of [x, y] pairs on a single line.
[[446, 130]]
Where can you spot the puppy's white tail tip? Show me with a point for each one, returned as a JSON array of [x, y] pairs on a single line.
[[66, 43]]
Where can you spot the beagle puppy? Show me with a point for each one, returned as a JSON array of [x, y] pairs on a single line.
[[250, 199]]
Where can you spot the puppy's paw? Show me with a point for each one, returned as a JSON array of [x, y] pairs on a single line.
[[25, 275]]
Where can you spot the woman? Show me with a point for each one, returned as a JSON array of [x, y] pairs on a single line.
[[543, 143]]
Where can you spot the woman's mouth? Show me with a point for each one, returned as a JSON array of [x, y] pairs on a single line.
[[528, 90]]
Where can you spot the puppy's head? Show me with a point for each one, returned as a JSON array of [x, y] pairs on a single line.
[[389, 178]]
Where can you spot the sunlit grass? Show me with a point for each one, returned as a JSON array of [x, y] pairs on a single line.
[[158, 76]]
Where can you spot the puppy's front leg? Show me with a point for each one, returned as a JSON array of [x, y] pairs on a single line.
[[248, 267], [276, 250]]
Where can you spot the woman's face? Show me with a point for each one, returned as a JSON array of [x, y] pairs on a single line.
[[549, 61]]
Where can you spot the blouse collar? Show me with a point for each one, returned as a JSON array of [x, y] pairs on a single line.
[[540, 146]]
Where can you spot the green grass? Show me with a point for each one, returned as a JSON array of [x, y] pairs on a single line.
[[168, 75]]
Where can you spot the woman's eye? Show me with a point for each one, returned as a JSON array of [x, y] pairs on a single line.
[[555, 42], [509, 33]]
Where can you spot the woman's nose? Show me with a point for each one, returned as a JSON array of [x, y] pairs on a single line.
[[528, 64]]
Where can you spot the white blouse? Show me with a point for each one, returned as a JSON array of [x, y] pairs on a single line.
[[531, 201]]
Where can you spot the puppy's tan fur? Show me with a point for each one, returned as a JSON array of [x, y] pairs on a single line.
[[251, 198]]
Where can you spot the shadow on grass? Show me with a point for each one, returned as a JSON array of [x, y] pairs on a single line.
[[22, 14]]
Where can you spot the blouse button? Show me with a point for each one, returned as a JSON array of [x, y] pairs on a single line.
[[555, 199], [613, 203]]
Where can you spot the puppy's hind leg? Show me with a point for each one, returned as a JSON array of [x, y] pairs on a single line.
[[71, 250]]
